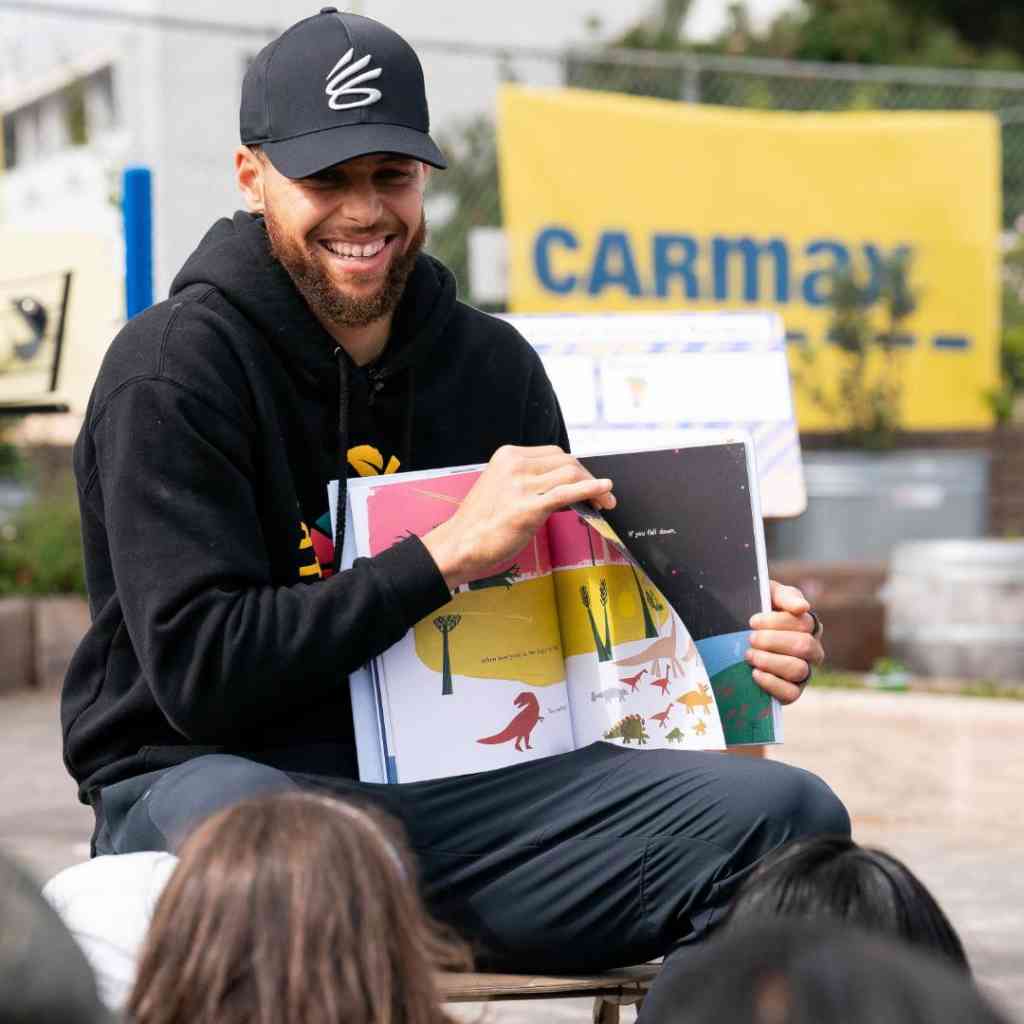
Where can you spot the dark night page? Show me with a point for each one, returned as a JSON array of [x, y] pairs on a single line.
[[687, 516]]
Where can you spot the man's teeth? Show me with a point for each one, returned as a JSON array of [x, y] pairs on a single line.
[[347, 249]]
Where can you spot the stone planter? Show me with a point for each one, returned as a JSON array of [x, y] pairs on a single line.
[[956, 608], [17, 641], [38, 635]]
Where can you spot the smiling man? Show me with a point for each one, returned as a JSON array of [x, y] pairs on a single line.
[[305, 340]]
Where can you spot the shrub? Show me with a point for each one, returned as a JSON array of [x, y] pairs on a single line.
[[41, 548]]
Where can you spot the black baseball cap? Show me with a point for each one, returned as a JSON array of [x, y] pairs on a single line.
[[333, 87]]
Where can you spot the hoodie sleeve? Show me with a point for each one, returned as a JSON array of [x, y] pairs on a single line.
[[223, 649]]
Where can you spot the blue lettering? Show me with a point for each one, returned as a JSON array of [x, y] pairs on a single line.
[[751, 251], [674, 256], [614, 248], [817, 288], [542, 259]]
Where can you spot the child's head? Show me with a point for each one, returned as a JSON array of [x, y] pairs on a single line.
[[44, 976], [833, 877], [791, 971], [292, 909]]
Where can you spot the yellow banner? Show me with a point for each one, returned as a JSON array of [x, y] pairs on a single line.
[[621, 203]]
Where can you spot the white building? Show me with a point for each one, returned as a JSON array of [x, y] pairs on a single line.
[[86, 91]]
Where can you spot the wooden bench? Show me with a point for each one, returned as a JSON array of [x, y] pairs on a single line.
[[625, 986]]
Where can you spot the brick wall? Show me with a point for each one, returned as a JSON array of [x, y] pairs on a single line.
[[1006, 494]]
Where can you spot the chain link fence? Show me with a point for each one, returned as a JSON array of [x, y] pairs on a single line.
[[466, 196]]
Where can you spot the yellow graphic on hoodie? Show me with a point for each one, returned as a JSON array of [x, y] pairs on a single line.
[[306, 546], [367, 461]]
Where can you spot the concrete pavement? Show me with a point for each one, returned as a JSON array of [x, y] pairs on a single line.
[[935, 780]]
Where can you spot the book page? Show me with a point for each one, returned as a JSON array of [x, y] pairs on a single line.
[[689, 517], [480, 683], [634, 675]]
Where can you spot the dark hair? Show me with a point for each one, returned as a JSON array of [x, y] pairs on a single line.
[[833, 877], [44, 976], [293, 909], [806, 972]]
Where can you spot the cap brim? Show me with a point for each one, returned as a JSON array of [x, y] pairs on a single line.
[[309, 154]]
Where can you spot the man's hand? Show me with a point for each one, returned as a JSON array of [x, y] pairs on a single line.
[[517, 491], [782, 650]]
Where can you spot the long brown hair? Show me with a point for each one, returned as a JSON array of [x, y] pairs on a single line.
[[293, 909]]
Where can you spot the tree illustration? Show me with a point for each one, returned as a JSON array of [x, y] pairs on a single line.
[[590, 540], [650, 627], [604, 652], [603, 595], [444, 624]]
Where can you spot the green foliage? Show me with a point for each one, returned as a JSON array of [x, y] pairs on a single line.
[[468, 185], [866, 400], [41, 548], [1004, 398]]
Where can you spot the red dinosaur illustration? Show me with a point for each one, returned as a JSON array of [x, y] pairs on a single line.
[[633, 681], [521, 726], [662, 716], [662, 685]]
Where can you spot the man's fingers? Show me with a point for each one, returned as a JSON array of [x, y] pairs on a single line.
[[782, 666], [789, 643], [557, 476], [788, 599], [782, 621], [782, 690], [580, 490]]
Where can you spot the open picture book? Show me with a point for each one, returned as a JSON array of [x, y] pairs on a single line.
[[628, 626]]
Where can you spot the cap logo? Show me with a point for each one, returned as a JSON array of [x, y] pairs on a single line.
[[341, 84]]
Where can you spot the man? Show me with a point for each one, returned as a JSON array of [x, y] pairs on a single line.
[[310, 328]]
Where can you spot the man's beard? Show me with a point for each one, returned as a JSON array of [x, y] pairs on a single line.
[[328, 302]]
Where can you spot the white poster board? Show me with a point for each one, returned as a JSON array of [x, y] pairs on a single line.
[[628, 381]]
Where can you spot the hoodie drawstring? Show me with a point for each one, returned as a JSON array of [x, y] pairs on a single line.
[[339, 512]]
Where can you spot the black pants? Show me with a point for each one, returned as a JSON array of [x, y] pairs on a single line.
[[597, 858]]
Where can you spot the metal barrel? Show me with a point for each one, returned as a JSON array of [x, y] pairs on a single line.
[[860, 505], [955, 608]]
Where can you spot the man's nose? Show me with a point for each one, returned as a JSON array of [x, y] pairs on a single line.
[[361, 204]]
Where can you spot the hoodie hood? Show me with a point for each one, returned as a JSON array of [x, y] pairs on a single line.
[[235, 258]]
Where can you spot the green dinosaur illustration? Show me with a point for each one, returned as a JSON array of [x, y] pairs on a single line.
[[675, 736], [629, 729]]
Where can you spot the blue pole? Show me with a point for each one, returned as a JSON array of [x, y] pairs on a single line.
[[137, 211]]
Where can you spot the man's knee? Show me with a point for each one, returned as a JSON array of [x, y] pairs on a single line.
[[182, 797], [801, 804]]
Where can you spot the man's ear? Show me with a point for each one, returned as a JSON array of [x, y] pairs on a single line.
[[249, 177]]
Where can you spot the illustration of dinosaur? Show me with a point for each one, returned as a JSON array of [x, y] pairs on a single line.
[[696, 699], [664, 648], [522, 725], [633, 681], [700, 728], [612, 693], [662, 716], [676, 735], [629, 729], [500, 579], [662, 685]]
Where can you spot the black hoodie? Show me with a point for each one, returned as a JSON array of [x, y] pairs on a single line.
[[202, 468]]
